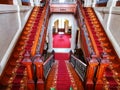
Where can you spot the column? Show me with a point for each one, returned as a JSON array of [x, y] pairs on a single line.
[[92, 67], [28, 63], [99, 82], [39, 71]]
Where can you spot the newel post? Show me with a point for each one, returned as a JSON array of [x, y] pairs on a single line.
[[92, 66], [28, 63], [99, 82], [39, 70]]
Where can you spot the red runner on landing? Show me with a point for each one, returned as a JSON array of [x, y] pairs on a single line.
[[63, 79], [61, 41]]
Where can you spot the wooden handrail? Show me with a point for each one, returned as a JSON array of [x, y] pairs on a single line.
[[86, 42], [42, 37], [48, 60], [38, 44], [39, 27], [101, 4], [91, 37], [47, 65], [90, 33], [75, 58]]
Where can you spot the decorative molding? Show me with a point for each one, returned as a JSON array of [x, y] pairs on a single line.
[[68, 8]]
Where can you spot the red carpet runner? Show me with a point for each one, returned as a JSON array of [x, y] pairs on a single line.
[[63, 79], [61, 41], [62, 56]]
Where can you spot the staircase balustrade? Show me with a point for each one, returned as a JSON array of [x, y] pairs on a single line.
[[91, 72], [79, 66], [85, 39], [42, 36], [47, 65], [100, 74], [98, 63], [28, 63], [39, 72]]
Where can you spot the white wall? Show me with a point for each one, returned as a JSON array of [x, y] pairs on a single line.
[[12, 21], [110, 19], [72, 22]]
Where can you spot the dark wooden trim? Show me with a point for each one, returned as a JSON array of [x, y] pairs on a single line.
[[101, 5], [26, 3], [6, 1], [118, 3]]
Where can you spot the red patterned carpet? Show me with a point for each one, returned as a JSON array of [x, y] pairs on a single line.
[[63, 79], [61, 41]]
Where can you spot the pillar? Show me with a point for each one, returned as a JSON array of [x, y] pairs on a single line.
[[92, 67], [28, 63], [39, 69], [99, 82]]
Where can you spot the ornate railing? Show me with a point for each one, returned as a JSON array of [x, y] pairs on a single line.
[[41, 40], [47, 65], [85, 39], [79, 66]]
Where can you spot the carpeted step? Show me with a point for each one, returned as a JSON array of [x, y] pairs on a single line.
[[63, 79], [15, 87], [108, 72], [20, 70]]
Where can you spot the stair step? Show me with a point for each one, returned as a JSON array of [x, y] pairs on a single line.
[[105, 44], [5, 80], [10, 69]]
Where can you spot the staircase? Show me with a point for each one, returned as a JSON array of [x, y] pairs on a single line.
[[104, 50], [63, 76], [63, 79], [14, 76]]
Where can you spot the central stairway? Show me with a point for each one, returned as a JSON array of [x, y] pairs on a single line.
[[63, 76], [63, 79]]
